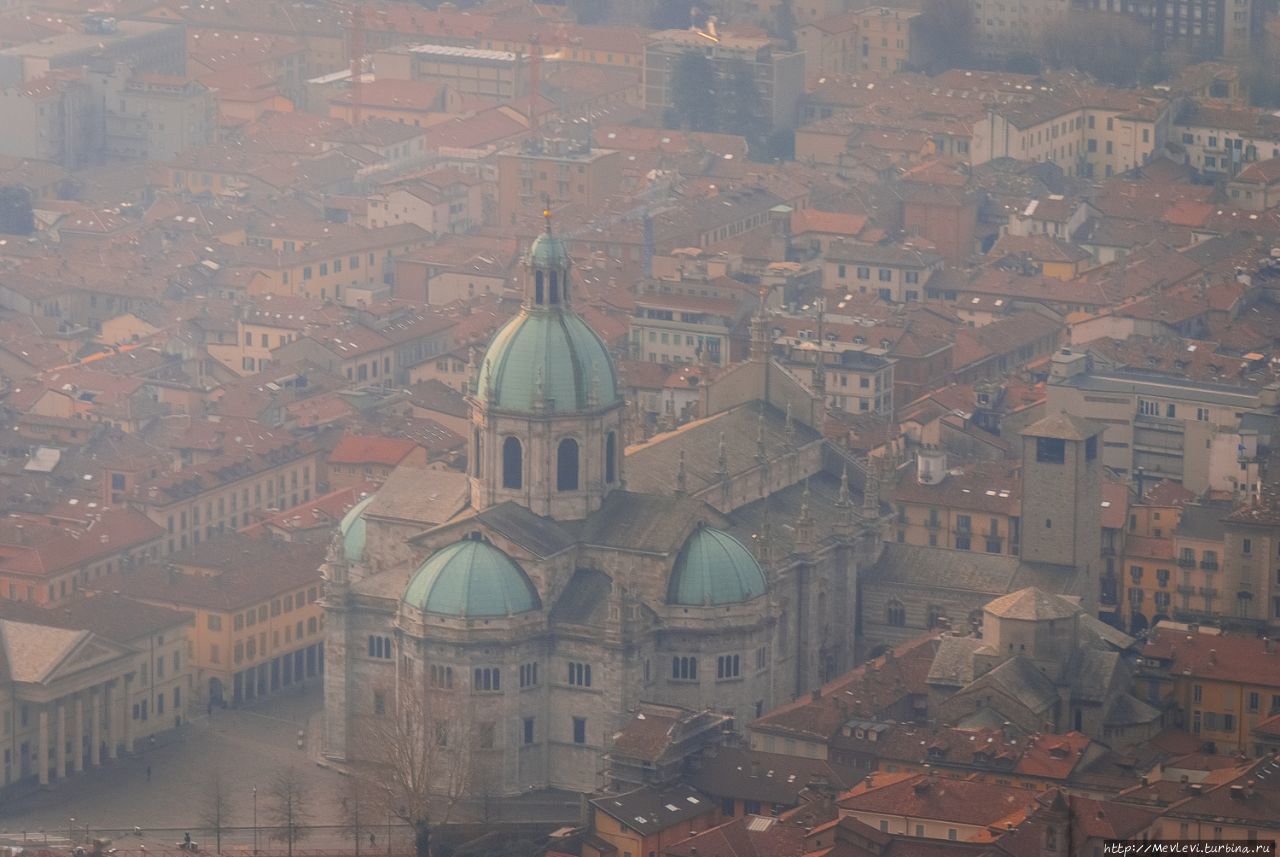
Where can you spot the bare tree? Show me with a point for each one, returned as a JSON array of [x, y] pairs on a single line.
[[287, 810], [416, 759], [354, 810], [216, 815]]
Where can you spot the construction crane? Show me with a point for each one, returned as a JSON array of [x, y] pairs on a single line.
[[356, 40], [536, 56]]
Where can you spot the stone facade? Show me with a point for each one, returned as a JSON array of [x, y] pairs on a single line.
[[532, 699]]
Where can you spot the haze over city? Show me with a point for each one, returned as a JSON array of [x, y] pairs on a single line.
[[737, 428]]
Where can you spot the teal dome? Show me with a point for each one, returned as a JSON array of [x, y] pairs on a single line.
[[555, 351], [470, 579], [352, 530], [548, 252], [714, 568]]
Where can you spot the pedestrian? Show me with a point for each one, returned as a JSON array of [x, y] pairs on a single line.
[[373, 841], [148, 773]]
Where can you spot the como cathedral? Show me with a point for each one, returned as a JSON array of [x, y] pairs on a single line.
[[534, 601]]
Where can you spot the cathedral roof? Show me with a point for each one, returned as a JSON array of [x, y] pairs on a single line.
[[352, 529], [1032, 604], [470, 579], [714, 568]]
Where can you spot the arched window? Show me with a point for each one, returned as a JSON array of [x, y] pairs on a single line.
[[935, 617], [537, 287], [897, 614], [567, 465], [512, 463], [555, 287], [475, 452], [611, 458]]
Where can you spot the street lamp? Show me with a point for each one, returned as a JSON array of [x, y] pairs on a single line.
[[255, 819], [71, 832]]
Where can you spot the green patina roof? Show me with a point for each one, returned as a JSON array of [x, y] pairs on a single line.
[[714, 568], [548, 252], [471, 579], [554, 349], [352, 529]]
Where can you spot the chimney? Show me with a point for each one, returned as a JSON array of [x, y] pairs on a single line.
[[1237, 792], [815, 695], [1213, 656], [755, 767]]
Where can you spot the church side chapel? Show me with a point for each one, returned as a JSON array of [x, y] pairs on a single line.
[[526, 608]]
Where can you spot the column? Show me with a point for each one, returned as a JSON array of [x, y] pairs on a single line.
[[95, 727], [127, 720], [110, 712], [77, 740], [42, 748], [60, 749]]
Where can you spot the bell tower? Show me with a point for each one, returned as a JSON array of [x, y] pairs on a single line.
[[546, 409], [1061, 521]]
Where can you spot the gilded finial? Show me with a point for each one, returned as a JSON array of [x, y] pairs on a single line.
[[546, 212], [843, 499]]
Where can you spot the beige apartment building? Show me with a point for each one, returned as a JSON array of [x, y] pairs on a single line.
[[897, 274], [1099, 132], [224, 494], [561, 171]]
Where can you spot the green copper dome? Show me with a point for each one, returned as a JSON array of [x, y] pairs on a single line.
[[352, 530], [548, 252], [551, 355], [471, 579], [714, 568]]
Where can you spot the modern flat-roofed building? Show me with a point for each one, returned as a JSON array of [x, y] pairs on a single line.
[[471, 71]]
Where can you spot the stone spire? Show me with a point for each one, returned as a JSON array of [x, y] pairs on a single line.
[[761, 455], [789, 430], [804, 526], [722, 460], [764, 539], [844, 507], [871, 491], [682, 478], [760, 343]]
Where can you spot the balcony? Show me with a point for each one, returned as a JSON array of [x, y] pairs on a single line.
[[1208, 592], [1209, 564], [1186, 590], [1187, 562], [962, 527], [932, 523], [1108, 550]]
